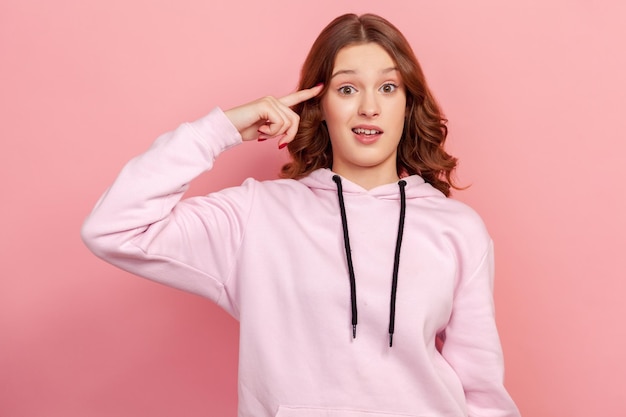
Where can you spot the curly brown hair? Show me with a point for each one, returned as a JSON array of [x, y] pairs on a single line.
[[421, 149]]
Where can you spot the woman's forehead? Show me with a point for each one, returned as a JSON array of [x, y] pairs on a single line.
[[363, 57]]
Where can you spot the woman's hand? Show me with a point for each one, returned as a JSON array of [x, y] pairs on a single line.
[[269, 117]]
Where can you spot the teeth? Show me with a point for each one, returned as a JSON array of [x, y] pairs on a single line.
[[359, 131]]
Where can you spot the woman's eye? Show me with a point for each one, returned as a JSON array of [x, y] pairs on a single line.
[[388, 88], [346, 90]]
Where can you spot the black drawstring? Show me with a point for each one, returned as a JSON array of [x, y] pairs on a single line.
[[396, 261], [346, 243]]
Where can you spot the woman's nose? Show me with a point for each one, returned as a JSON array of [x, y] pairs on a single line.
[[369, 106]]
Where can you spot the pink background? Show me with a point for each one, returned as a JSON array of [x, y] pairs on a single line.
[[536, 98]]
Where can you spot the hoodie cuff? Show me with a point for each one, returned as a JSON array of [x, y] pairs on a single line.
[[216, 131]]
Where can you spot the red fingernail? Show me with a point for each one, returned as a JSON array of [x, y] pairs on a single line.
[[260, 139], [282, 145], [318, 84]]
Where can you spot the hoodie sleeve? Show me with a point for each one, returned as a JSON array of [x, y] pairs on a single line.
[[141, 225], [472, 345]]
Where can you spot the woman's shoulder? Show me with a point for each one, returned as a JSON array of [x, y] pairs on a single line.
[[456, 216], [255, 190], [462, 210], [428, 197]]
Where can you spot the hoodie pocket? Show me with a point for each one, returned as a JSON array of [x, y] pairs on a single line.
[[284, 411]]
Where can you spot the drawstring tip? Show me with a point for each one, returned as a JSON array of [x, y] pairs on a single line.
[[354, 331], [390, 339]]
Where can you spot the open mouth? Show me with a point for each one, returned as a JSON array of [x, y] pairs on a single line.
[[366, 132]]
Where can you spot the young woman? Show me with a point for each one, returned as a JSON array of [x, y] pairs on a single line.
[[362, 290]]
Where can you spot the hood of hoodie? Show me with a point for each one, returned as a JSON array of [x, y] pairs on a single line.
[[416, 187]]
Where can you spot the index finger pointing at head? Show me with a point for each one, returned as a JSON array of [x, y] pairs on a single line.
[[301, 95]]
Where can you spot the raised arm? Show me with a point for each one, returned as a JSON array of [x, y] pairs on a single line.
[[141, 225]]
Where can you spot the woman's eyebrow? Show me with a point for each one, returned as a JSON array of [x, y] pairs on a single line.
[[352, 72], [343, 72]]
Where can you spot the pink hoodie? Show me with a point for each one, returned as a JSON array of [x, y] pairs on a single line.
[[272, 255]]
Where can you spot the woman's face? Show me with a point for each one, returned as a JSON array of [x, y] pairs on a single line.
[[364, 109]]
